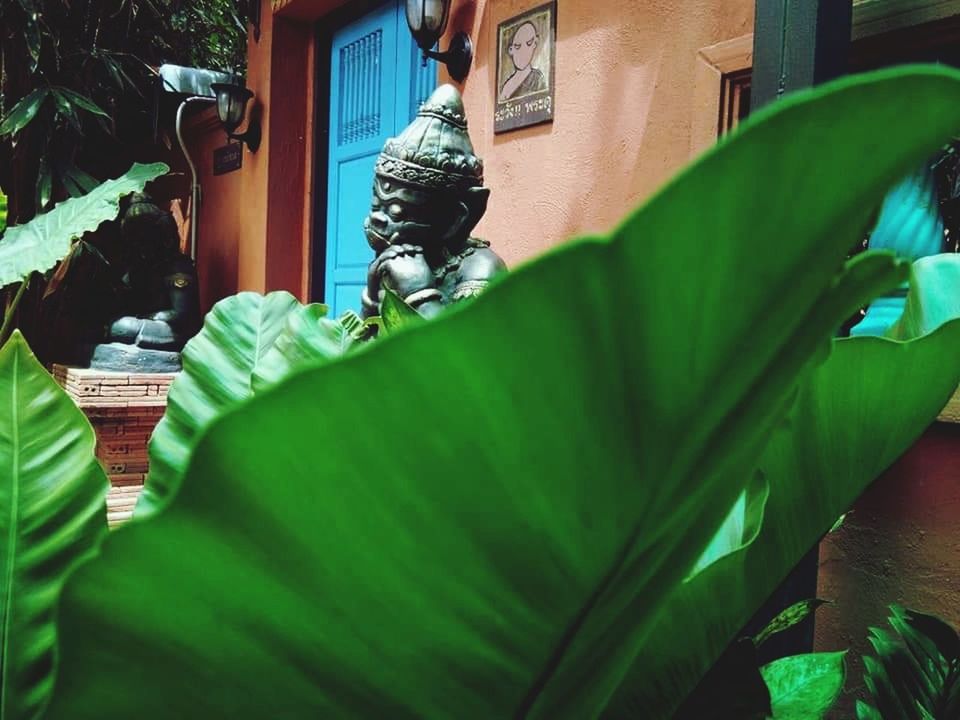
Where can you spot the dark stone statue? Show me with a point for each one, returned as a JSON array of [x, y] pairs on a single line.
[[160, 303], [428, 195]]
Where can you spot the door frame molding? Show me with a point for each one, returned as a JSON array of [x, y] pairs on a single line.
[[324, 30]]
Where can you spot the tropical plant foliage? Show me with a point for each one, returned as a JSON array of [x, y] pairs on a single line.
[[53, 514], [38, 245], [806, 468], [77, 105], [497, 514], [210, 34], [247, 343], [77, 85], [915, 677]]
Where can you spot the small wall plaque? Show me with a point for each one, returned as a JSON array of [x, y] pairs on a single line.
[[526, 56], [227, 158]]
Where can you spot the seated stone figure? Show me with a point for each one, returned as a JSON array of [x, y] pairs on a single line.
[[428, 195], [160, 304]]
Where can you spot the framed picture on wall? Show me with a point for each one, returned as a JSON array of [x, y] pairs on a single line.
[[526, 59]]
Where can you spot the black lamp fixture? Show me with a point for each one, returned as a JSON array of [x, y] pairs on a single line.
[[427, 20], [232, 99]]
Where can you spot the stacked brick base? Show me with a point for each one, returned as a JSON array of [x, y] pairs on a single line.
[[123, 409]]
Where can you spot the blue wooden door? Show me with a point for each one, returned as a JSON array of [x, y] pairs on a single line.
[[377, 82]]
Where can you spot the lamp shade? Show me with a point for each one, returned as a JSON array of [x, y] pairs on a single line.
[[427, 20], [231, 103]]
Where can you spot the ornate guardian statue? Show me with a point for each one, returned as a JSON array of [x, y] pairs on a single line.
[[428, 195], [160, 305]]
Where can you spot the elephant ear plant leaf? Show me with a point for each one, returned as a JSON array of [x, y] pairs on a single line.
[[307, 338], [218, 368], [38, 245], [486, 516], [917, 677], [248, 342], [53, 514], [841, 433]]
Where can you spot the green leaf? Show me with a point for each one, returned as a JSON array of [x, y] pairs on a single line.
[[41, 243], [918, 676], [866, 712], [450, 525], [839, 522], [3, 212], [44, 185], [395, 314], [788, 618], [943, 636], [52, 514], [307, 339], [23, 112], [804, 687], [248, 343], [812, 478], [66, 110], [926, 312], [219, 365], [34, 40], [81, 101], [80, 182], [740, 527]]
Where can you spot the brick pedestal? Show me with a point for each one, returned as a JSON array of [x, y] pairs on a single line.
[[123, 409]]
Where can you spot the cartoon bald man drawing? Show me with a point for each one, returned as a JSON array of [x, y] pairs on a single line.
[[522, 49]]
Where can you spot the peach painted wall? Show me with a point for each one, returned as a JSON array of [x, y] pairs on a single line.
[[624, 106], [255, 223], [217, 232]]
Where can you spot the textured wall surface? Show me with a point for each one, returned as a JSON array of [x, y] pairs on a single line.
[[625, 72], [624, 107], [901, 544], [218, 232]]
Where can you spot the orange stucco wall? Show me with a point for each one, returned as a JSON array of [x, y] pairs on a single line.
[[625, 103], [217, 248], [624, 106]]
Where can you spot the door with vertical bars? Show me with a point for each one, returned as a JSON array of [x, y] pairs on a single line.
[[377, 83]]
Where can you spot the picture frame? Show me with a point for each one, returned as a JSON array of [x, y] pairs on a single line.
[[526, 69]]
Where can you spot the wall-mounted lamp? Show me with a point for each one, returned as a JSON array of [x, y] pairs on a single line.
[[232, 99], [427, 20]]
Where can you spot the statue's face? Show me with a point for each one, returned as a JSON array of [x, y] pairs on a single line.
[[400, 214]]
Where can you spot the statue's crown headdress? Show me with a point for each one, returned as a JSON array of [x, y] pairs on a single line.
[[434, 151]]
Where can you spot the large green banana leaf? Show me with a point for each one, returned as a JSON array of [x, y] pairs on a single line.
[[248, 342], [936, 302], [53, 514], [219, 363], [38, 245], [854, 416], [484, 516], [308, 338]]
